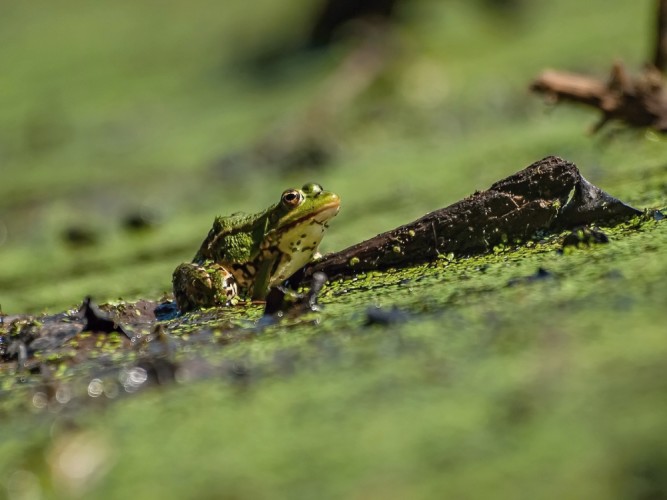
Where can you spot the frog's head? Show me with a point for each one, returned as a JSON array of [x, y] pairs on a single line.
[[297, 226], [310, 204]]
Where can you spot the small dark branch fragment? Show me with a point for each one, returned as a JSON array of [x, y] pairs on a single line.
[[638, 102], [98, 322], [549, 195]]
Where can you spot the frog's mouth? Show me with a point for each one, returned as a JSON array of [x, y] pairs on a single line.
[[326, 212], [321, 217]]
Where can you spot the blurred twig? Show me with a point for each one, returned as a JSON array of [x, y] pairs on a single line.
[[639, 101]]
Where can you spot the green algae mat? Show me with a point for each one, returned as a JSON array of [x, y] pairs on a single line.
[[534, 370]]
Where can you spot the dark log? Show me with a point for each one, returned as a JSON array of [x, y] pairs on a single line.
[[549, 195]]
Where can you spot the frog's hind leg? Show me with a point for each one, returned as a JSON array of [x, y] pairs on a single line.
[[199, 286]]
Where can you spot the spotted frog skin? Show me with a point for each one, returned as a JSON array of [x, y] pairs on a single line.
[[243, 255]]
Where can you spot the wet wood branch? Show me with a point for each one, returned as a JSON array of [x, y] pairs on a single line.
[[549, 195]]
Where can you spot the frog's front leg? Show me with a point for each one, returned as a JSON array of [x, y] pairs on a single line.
[[207, 285]]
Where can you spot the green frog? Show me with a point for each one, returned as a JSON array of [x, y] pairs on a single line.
[[243, 255]]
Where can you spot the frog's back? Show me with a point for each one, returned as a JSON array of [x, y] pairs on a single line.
[[232, 238]]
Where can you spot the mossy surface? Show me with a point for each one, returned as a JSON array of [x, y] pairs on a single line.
[[534, 371]]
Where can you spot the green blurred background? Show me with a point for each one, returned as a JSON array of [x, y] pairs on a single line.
[[126, 126], [115, 115]]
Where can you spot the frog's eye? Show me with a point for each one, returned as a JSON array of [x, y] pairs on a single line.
[[291, 198], [312, 188]]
